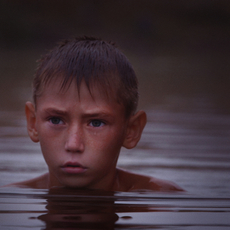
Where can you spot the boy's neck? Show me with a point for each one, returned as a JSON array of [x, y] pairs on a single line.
[[113, 182]]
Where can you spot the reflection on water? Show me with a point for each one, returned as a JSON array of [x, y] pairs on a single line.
[[71, 209], [186, 141]]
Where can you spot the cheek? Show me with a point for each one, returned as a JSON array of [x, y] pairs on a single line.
[[105, 148], [107, 140], [50, 147], [48, 137], [48, 151]]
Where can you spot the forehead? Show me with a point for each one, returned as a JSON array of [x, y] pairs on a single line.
[[71, 94]]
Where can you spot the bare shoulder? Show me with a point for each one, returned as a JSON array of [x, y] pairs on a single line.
[[164, 185], [131, 182], [40, 182]]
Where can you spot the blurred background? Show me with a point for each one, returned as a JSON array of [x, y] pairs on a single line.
[[177, 48], [180, 52]]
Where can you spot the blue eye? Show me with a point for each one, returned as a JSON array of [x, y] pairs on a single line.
[[56, 120], [96, 123]]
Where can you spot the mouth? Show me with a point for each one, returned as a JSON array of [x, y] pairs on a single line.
[[73, 168]]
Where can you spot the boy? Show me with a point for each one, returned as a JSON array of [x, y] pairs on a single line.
[[85, 98]]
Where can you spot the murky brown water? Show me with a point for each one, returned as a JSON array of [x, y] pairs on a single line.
[[71, 209], [186, 140], [190, 148]]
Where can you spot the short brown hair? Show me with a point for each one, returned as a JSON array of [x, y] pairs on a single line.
[[93, 60]]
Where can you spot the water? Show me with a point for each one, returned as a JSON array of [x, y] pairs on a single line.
[[186, 141], [66, 209]]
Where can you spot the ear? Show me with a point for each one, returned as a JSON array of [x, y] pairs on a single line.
[[134, 130], [31, 121]]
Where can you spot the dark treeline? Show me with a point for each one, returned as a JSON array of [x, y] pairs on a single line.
[[154, 25], [176, 46]]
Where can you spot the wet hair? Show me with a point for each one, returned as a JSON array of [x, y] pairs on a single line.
[[94, 61]]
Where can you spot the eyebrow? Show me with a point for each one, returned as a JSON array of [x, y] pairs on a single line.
[[56, 111], [93, 114], [102, 114]]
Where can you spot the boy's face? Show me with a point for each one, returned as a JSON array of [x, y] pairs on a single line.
[[80, 137]]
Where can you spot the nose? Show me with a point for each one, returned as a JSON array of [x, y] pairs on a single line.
[[74, 142]]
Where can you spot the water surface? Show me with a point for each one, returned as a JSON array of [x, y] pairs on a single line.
[[189, 145], [71, 209]]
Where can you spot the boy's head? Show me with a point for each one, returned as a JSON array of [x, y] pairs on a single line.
[[85, 94], [94, 61]]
